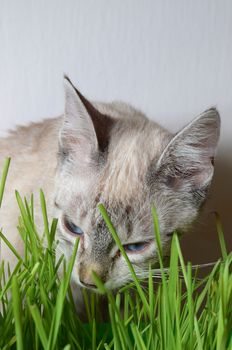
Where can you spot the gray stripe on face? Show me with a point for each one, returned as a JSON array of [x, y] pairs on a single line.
[[102, 241]]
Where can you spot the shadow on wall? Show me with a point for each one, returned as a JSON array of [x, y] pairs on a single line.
[[202, 244]]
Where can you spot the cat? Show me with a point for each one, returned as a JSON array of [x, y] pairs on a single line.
[[113, 154]]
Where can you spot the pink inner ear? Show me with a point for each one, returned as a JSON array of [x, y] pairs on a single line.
[[72, 140], [197, 178], [80, 148], [78, 143], [202, 177]]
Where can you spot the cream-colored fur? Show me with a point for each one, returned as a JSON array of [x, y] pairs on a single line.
[[33, 152], [109, 153]]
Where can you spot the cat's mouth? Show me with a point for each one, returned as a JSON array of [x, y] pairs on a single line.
[[90, 287], [88, 284]]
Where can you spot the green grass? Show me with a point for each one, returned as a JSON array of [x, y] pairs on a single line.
[[173, 309]]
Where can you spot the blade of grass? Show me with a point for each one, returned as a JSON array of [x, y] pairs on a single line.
[[221, 236], [45, 218], [60, 301], [10, 246], [138, 338], [17, 309], [33, 235], [39, 324], [3, 178]]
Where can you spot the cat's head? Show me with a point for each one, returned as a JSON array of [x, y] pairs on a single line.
[[111, 153]]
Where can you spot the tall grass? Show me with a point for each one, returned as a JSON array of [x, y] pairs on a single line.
[[177, 310]]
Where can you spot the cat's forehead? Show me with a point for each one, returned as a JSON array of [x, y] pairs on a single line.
[[123, 217], [129, 158]]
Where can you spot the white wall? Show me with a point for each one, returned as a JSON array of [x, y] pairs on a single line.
[[172, 59]]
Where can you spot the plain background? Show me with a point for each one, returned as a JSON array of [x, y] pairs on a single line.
[[172, 59]]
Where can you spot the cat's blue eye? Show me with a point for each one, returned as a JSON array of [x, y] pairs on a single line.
[[70, 226], [135, 247]]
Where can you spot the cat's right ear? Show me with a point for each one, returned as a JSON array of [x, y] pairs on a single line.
[[85, 130]]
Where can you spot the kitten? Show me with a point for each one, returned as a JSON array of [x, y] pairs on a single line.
[[109, 153]]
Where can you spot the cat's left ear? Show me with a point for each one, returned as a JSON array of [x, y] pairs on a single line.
[[188, 159], [85, 131]]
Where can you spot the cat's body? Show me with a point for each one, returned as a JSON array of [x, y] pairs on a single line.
[[32, 167], [109, 153]]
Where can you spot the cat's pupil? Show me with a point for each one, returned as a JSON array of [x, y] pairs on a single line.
[[73, 228]]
